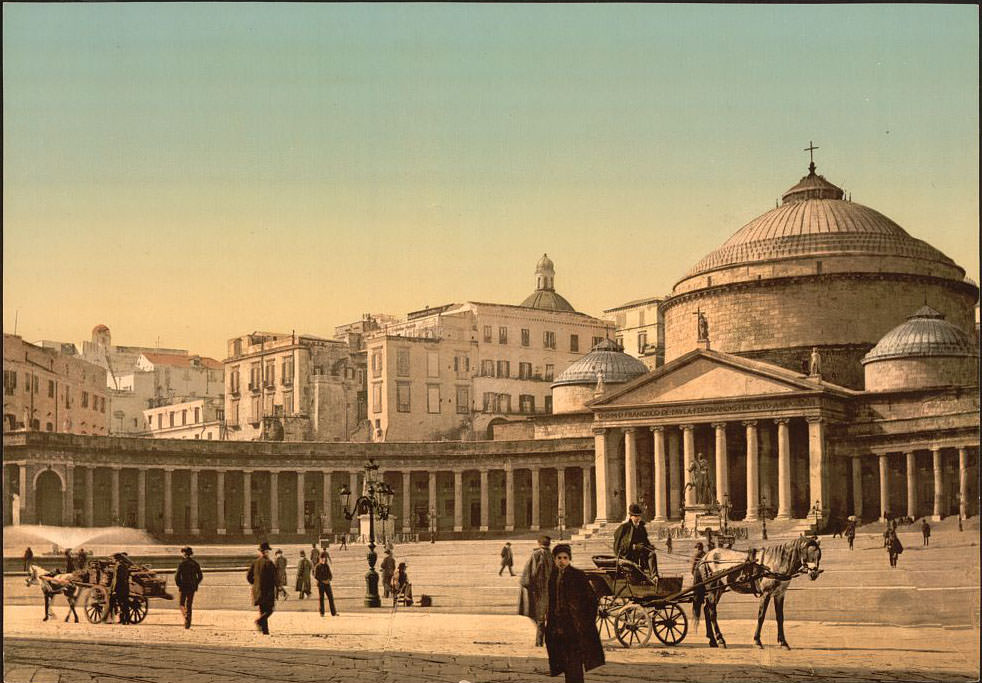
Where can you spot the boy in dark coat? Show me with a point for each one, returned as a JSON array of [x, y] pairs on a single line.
[[571, 633], [507, 559], [187, 578], [262, 576], [534, 598], [323, 576]]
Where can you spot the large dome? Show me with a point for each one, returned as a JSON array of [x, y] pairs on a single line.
[[926, 333], [608, 358]]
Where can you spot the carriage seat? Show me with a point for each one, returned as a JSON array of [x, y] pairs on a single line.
[[632, 571]]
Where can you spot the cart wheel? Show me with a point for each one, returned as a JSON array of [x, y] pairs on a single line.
[[670, 624], [633, 626], [138, 609], [607, 609], [96, 605]]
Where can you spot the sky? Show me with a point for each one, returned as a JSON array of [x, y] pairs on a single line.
[[187, 173]]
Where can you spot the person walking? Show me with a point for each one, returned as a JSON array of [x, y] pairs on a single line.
[[926, 532], [894, 547], [533, 599], [28, 559], [507, 559], [344, 542], [388, 568], [631, 542], [121, 587], [323, 577], [69, 561], [280, 575], [303, 576], [262, 576], [187, 578], [82, 558], [314, 553], [668, 543], [572, 640], [850, 533]]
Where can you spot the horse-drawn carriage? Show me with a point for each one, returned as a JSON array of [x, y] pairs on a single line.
[[98, 575]]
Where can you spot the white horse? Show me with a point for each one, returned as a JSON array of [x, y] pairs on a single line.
[[769, 576], [52, 585]]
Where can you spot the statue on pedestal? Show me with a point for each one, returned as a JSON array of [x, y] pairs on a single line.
[[815, 363], [703, 326], [699, 480]]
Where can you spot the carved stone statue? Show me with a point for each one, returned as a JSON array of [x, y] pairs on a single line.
[[600, 382], [815, 363], [703, 325], [699, 481]]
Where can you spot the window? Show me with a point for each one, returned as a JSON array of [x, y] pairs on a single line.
[[642, 341], [27, 383], [490, 402], [233, 416], [233, 381], [463, 400], [9, 382], [549, 340], [288, 403], [502, 335], [487, 333], [640, 317], [487, 368], [524, 371], [160, 420], [376, 363], [257, 410], [68, 397], [432, 364], [525, 336], [254, 376], [818, 267], [286, 372], [402, 362], [172, 418], [270, 373], [596, 340], [51, 388], [504, 403], [504, 369], [377, 397], [548, 405], [620, 341], [37, 382], [461, 366], [237, 347], [184, 417], [403, 396], [197, 416], [526, 404], [433, 398], [574, 343], [550, 369]]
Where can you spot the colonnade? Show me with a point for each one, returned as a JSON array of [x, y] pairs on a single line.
[[939, 502]]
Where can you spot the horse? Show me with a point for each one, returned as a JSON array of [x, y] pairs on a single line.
[[769, 576], [53, 584]]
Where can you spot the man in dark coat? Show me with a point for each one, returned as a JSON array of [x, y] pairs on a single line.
[[388, 569], [850, 533], [894, 547], [631, 542], [926, 532], [262, 576], [121, 587], [323, 576], [507, 559], [534, 598], [69, 561], [82, 558], [280, 575], [571, 632], [28, 559], [187, 578]]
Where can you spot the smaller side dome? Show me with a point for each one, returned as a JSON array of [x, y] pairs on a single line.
[[606, 358]]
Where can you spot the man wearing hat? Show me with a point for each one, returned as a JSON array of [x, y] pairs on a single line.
[[121, 586], [187, 578], [534, 597], [388, 570], [262, 576], [571, 633], [507, 559], [631, 541]]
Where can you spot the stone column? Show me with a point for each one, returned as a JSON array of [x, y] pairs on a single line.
[[674, 475], [688, 457], [911, 484], [753, 454], [301, 524], [220, 522], [433, 511], [407, 501], [7, 495], [274, 502], [509, 497], [587, 490], [535, 499], [355, 528], [247, 501], [661, 509], [938, 484], [884, 486], [68, 500], [722, 463], [630, 468], [141, 498], [89, 496], [783, 469], [114, 509], [458, 500], [963, 482], [193, 498], [561, 496], [327, 502], [168, 500], [600, 462], [857, 487], [817, 462], [485, 512]]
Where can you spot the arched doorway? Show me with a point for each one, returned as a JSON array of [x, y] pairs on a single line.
[[49, 502]]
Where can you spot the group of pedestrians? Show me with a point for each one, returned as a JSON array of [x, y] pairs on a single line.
[[269, 580], [73, 561]]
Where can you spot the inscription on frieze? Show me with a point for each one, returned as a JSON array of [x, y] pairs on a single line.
[[712, 409]]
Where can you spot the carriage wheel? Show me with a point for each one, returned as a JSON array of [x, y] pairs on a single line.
[[96, 605], [138, 609], [670, 624], [607, 609], [633, 626]]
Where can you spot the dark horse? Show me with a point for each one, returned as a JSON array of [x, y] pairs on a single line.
[[769, 576]]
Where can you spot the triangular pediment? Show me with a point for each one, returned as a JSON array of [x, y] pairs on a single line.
[[705, 376]]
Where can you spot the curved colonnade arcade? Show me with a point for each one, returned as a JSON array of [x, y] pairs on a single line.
[[241, 488]]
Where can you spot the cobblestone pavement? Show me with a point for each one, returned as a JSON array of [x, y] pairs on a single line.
[[223, 647]]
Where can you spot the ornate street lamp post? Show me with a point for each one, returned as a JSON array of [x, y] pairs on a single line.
[[375, 501]]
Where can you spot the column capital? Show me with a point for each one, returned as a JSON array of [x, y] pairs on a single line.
[[168, 469], [814, 419], [720, 425], [116, 468], [749, 423], [935, 449], [484, 470], [599, 431], [630, 430], [194, 470], [782, 420], [657, 428], [246, 470], [219, 470], [687, 427], [562, 468]]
